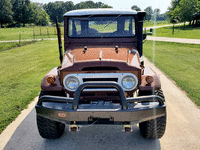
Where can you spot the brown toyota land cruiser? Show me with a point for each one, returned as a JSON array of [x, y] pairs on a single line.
[[102, 78]]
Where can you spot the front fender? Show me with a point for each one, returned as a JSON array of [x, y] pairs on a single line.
[[155, 85], [51, 87]]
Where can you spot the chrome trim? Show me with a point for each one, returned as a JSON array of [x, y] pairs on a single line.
[[120, 76]]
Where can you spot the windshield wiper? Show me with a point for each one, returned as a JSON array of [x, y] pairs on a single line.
[[112, 21]]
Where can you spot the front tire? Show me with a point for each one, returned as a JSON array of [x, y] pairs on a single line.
[[155, 128], [49, 129]]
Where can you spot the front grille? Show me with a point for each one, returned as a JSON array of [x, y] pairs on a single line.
[[100, 79]]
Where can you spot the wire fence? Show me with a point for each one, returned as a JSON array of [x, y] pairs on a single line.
[[35, 34]]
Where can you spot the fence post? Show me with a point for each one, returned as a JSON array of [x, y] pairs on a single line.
[[33, 35], [48, 32], [19, 38]]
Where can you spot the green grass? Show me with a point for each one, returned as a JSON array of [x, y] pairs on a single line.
[[181, 62], [179, 32], [10, 45], [151, 23], [21, 72], [28, 33]]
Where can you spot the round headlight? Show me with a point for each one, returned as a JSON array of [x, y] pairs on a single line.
[[129, 82], [72, 83]]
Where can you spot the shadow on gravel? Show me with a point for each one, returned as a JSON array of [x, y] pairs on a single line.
[[91, 138]]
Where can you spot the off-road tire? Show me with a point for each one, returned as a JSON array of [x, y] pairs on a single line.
[[155, 128], [49, 129]]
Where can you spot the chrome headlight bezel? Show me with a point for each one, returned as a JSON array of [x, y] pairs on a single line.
[[134, 83], [66, 82]]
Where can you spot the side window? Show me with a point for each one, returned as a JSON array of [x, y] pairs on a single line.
[[74, 28], [70, 28], [130, 26]]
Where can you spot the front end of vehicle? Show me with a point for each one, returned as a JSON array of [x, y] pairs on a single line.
[[101, 79]]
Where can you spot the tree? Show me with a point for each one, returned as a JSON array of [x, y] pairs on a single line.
[[22, 11], [136, 8], [38, 15], [156, 13], [5, 12], [187, 9], [149, 13], [58, 8], [91, 4], [173, 10]]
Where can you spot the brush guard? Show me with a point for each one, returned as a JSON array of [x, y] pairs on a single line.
[[133, 110]]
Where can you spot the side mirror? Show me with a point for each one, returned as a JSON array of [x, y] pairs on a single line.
[[144, 36]]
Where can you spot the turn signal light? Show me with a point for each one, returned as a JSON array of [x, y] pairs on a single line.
[[149, 79], [51, 79]]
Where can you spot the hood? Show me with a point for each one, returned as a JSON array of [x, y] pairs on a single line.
[[101, 54]]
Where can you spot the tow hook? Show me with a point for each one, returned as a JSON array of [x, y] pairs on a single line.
[[127, 128], [74, 128]]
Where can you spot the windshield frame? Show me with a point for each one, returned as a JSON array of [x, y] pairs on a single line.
[[88, 17]]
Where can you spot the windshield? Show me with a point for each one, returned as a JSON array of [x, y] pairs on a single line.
[[101, 26]]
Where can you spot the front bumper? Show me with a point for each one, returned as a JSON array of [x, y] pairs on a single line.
[[134, 110]]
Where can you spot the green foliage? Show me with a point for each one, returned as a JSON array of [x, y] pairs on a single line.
[[187, 9], [5, 12], [149, 13], [57, 9], [22, 70], [39, 16], [136, 8], [180, 62], [22, 11], [183, 10], [90, 4]]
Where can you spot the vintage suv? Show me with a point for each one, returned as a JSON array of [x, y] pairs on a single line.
[[102, 78]]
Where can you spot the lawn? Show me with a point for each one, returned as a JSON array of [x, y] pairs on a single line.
[[28, 33], [22, 70], [151, 23], [181, 62], [9, 45], [179, 32]]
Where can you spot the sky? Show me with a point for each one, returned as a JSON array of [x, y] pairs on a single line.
[[124, 4]]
